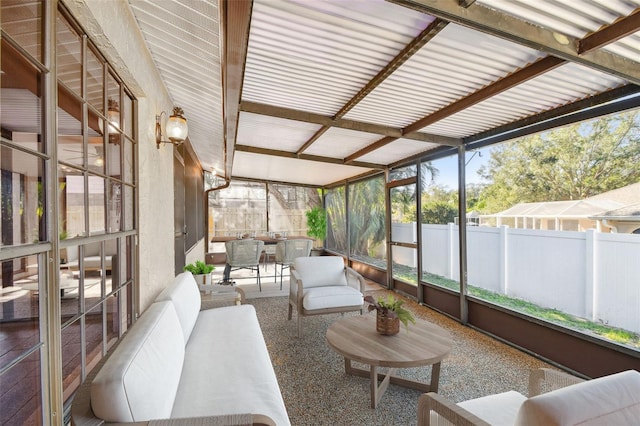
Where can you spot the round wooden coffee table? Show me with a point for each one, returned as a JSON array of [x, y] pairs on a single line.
[[356, 339]]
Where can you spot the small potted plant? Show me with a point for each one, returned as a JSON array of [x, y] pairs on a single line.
[[317, 226], [201, 272], [389, 314]]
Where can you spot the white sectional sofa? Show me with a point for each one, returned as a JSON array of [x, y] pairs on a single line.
[[555, 399], [206, 366]]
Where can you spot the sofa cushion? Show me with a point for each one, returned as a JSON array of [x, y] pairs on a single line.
[[321, 271], [227, 368], [608, 400], [183, 292], [140, 380], [499, 409], [331, 297]]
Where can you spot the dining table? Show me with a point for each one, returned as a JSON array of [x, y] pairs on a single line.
[[268, 240], [265, 238]]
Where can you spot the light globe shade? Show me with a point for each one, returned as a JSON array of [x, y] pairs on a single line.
[[176, 127]]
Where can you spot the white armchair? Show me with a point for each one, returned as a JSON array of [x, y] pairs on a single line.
[[554, 398], [323, 285]]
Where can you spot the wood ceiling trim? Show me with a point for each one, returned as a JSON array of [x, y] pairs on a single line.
[[328, 122], [317, 158], [610, 33], [501, 25], [514, 79], [235, 19]]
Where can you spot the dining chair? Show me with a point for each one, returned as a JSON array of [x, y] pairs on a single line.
[[243, 254], [289, 250]]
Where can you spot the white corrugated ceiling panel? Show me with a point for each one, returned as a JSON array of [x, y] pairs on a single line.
[[565, 84], [273, 133], [315, 56], [575, 18], [281, 169], [448, 68], [396, 151], [340, 143], [183, 37]]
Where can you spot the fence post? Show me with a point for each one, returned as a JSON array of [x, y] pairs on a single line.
[[590, 292], [504, 284]]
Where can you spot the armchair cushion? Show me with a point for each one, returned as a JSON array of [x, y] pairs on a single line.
[[331, 297], [498, 409], [607, 400], [321, 271]]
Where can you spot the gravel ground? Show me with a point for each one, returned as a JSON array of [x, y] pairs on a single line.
[[317, 391]]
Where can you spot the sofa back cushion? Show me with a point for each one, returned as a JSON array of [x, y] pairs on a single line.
[[321, 271], [140, 379], [608, 400], [183, 292]]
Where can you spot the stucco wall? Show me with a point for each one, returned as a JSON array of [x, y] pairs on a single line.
[[113, 28]]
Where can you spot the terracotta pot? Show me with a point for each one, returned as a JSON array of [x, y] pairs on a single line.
[[387, 325]]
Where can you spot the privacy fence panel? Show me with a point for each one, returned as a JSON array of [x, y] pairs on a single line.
[[617, 280], [589, 274]]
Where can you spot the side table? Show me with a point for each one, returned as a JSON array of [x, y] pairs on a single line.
[[217, 294]]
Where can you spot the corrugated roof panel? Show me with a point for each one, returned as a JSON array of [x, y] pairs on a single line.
[[184, 41], [281, 169], [444, 70], [565, 84], [575, 18], [339, 143], [396, 151], [272, 132], [314, 56]]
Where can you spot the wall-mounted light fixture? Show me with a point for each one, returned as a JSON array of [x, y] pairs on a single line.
[[113, 120], [113, 116], [175, 130]]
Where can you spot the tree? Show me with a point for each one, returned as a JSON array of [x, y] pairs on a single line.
[[438, 212], [367, 216], [570, 163]]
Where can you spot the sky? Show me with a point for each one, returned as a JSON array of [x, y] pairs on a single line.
[[448, 168]]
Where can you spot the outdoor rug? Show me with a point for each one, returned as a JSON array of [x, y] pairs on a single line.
[[317, 391]]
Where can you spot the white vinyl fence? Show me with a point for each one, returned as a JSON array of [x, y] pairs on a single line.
[[589, 274]]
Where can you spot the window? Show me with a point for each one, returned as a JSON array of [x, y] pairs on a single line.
[[367, 220], [440, 230], [94, 181], [336, 206], [556, 239]]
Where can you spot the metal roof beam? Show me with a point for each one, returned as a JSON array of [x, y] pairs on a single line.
[[328, 122], [610, 102], [518, 77], [610, 33], [318, 158], [499, 24], [407, 52]]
